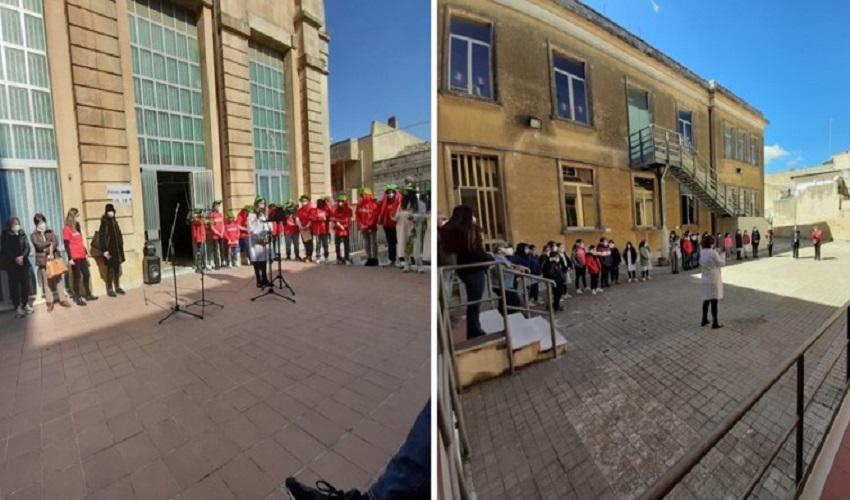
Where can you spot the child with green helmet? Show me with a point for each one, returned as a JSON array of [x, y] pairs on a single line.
[[387, 218], [341, 215]]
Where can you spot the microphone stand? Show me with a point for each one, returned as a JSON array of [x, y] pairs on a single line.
[[278, 282], [204, 303], [176, 307]]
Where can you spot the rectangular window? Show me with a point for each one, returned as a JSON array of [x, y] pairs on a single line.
[[570, 90], [754, 150], [268, 112], [164, 48], [688, 206], [644, 190], [685, 129], [728, 142], [470, 58], [742, 148], [580, 209], [475, 181]]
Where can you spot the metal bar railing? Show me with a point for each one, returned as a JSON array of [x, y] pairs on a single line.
[[665, 484]]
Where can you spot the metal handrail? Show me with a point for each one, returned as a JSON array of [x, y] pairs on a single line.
[[665, 484]]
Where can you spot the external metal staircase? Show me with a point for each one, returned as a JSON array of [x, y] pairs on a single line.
[[655, 147]]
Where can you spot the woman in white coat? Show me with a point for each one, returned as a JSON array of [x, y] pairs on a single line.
[[260, 232], [410, 220], [710, 262]]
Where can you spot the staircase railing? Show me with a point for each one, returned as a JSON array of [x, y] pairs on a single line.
[[655, 144]]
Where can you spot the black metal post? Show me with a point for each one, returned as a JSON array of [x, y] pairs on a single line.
[[800, 414]]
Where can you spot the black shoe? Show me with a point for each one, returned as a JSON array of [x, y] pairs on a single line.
[[119, 291], [716, 326], [80, 301], [704, 323], [90, 298], [111, 293], [288, 258], [323, 490]]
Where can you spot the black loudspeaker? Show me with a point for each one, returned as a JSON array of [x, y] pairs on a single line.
[[151, 266]]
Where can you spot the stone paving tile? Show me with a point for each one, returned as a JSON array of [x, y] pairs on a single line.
[[642, 383], [100, 402]]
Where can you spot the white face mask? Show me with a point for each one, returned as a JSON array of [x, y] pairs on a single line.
[[391, 195], [303, 203], [15, 229], [110, 214], [41, 227], [77, 218], [218, 209], [509, 251], [475, 220]]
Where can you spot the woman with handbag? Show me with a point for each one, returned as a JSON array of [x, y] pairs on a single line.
[[48, 262], [14, 257], [112, 245], [77, 256]]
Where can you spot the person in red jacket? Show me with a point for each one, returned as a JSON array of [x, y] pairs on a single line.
[[817, 240], [319, 227], [217, 234], [231, 240], [199, 238], [341, 221], [244, 237], [304, 219], [390, 204], [290, 232], [367, 224], [594, 268]]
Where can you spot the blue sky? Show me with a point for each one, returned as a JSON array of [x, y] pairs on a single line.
[[380, 65], [790, 60]]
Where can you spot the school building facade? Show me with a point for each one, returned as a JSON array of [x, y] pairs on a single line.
[[555, 123], [150, 103]]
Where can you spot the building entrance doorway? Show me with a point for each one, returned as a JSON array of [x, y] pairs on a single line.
[[174, 188]]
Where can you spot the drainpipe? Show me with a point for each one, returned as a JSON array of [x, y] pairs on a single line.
[[665, 239]]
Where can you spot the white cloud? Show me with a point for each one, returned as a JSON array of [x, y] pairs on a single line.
[[796, 160], [774, 153], [655, 6]]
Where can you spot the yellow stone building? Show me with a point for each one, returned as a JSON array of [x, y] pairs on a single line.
[[147, 103], [555, 123]]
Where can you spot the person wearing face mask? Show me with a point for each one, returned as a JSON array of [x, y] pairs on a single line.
[[77, 257], [388, 209], [502, 254], [552, 271], [113, 250], [216, 234], [290, 232], [341, 220], [367, 224], [47, 248], [304, 219], [14, 256], [244, 235], [410, 219], [260, 238], [616, 260], [319, 227]]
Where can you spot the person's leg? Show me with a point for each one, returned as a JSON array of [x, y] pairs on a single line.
[[716, 321], [705, 304], [474, 281], [338, 248], [257, 266], [118, 273], [41, 276], [392, 243], [78, 278], [346, 245], [594, 280], [15, 275], [326, 238], [534, 292], [84, 266], [557, 293]]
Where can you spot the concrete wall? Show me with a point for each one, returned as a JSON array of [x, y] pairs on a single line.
[[529, 159], [415, 166]]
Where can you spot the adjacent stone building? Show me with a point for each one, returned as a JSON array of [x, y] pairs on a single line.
[[556, 123], [354, 161], [150, 103], [412, 164], [811, 196]]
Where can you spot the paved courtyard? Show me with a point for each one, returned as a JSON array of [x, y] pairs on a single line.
[[100, 402], [642, 382]]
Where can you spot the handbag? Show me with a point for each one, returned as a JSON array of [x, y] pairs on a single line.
[[55, 268], [96, 245]]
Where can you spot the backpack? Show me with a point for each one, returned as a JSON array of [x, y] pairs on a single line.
[[577, 260]]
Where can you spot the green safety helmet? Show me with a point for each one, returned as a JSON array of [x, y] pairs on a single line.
[[231, 214], [410, 187], [391, 187], [304, 197], [341, 197], [259, 198], [364, 191]]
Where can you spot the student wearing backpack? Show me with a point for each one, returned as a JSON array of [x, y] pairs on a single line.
[[580, 264], [594, 267]]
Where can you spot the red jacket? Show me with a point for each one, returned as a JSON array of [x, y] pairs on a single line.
[[305, 215], [687, 247], [242, 221], [746, 239], [388, 209], [367, 213], [341, 218], [817, 237], [320, 219], [290, 226], [727, 243], [199, 231], [276, 226], [593, 264], [231, 234], [216, 225]]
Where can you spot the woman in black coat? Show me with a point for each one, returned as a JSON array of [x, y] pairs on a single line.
[[112, 245], [739, 243], [15, 252]]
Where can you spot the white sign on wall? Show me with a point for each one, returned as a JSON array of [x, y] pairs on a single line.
[[121, 194]]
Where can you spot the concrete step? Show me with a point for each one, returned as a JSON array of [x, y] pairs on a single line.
[[524, 331]]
